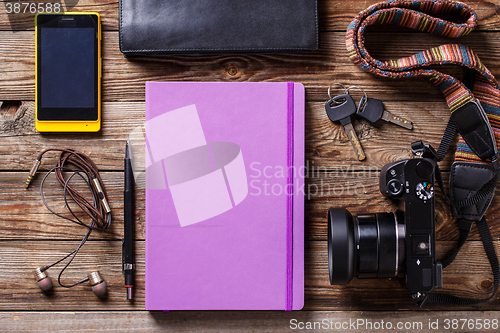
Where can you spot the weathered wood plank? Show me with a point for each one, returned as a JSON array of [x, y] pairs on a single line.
[[249, 321], [22, 293], [22, 257], [123, 79], [333, 15], [21, 143], [475, 281], [30, 237], [326, 142], [108, 9], [25, 217]]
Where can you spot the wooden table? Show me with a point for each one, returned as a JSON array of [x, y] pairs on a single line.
[[30, 236]]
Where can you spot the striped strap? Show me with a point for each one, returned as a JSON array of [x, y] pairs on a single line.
[[419, 15]]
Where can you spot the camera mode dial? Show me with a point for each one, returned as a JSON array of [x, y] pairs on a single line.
[[424, 191]]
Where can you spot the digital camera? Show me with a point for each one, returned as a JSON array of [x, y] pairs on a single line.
[[387, 245]]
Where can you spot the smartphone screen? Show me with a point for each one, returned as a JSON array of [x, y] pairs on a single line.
[[67, 67]]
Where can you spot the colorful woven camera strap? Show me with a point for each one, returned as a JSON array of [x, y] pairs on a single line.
[[472, 103]]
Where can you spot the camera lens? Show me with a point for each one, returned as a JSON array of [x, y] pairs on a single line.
[[366, 246]]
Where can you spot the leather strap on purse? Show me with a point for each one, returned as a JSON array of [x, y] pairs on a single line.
[[474, 106]]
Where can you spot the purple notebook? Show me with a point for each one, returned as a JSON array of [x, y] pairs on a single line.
[[224, 196]]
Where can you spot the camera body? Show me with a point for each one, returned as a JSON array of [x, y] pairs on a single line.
[[413, 181], [385, 245]]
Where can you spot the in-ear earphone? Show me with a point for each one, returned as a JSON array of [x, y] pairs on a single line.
[[44, 281], [98, 284], [98, 210]]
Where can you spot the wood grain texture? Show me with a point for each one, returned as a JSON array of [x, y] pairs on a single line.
[[245, 321], [108, 9], [334, 15], [123, 79], [21, 257], [28, 218], [327, 143], [30, 236], [25, 217]]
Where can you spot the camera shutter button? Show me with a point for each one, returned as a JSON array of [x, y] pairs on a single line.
[[394, 187], [424, 169]]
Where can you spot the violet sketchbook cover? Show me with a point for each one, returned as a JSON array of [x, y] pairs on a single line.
[[224, 196]]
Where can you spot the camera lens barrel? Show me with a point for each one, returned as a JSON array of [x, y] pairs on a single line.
[[367, 246], [366, 233]]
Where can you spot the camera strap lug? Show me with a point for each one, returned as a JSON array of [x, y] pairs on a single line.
[[419, 298], [427, 151]]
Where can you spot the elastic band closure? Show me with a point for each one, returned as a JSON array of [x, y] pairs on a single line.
[[289, 199]]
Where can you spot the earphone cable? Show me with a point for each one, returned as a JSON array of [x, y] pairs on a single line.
[[98, 210]]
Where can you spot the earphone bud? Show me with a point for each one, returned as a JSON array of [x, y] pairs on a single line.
[[98, 284], [43, 281]]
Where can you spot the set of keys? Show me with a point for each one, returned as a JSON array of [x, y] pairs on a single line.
[[342, 107]]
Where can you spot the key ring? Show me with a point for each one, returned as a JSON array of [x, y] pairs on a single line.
[[338, 84], [360, 107]]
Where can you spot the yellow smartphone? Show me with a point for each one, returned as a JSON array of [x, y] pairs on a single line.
[[68, 72]]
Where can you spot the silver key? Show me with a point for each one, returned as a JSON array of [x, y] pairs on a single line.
[[400, 121]]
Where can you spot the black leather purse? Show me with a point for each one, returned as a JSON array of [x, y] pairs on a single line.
[[160, 27]]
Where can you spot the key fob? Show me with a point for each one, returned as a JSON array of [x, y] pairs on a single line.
[[370, 109], [338, 112]]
